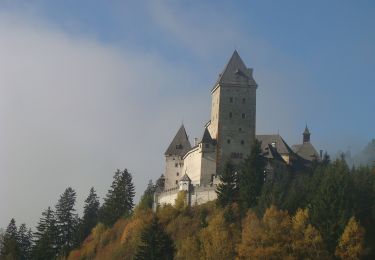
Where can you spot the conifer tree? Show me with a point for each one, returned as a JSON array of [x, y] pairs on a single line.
[[10, 246], [351, 244], [251, 178], [227, 190], [66, 220], [45, 238], [155, 243], [119, 200], [24, 241], [90, 214], [330, 206], [147, 198]]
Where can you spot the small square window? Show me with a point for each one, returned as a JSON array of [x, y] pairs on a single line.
[[243, 115], [231, 100], [243, 100], [230, 115], [228, 141], [176, 181], [240, 129], [242, 142], [178, 174], [176, 165]]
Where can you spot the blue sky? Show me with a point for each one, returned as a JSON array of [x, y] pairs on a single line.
[[90, 86]]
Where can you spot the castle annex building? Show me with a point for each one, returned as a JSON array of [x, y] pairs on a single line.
[[227, 136]]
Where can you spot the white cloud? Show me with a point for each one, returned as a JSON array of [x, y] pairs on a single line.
[[73, 110]]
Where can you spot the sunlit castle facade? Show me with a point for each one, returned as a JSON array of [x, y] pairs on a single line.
[[227, 136]]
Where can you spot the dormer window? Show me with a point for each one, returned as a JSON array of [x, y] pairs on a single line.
[[179, 146]]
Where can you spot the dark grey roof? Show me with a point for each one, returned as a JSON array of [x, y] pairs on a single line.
[[281, 146], [236, 72], [185, 178], [180, 143], [306, 151], [206, 138]]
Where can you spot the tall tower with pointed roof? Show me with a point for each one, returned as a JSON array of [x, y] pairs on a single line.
[[174, 161], [233, 112]]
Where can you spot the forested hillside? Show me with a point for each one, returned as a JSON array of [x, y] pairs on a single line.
[[326, 211]]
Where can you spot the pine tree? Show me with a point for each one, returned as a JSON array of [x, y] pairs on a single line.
[[351, 244], [66, 220], [227, 190], [45, 238], [10, 246], [156, 244], [119, 200], [251, 177], [147, 198], [90, 214], [24, 241], [330, 206]]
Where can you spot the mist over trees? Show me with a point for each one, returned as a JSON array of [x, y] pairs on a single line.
[[323, 211]]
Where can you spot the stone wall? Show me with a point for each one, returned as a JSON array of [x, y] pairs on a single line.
[[173, 170]]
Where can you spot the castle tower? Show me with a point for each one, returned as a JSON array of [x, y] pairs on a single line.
[[174, 158], [233, 112]]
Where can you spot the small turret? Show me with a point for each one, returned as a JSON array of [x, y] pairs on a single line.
[[306, 135], [184, 183]]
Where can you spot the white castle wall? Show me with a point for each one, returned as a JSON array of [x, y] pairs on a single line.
[[197, 195]]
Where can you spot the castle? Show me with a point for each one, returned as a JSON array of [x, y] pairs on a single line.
[[228, 136]]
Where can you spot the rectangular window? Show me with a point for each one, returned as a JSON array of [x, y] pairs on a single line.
[[243, 115], [178, 174], [230, 115], [243, 100], [228, 141], [242, 142], [176, 165], [231, 100]]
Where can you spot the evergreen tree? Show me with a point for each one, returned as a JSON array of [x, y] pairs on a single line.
[[330, 206], [90, 214], [45, 238], [160, 183], [155, 243], [24, 241], [227, 190], [147, 198], [251, 177], [10, 246], [119, 199], [66, 220]]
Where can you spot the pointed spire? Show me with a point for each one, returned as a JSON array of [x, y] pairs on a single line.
[[306, 135], [180, 143], [236, 72]]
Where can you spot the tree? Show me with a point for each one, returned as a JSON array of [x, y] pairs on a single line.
[[66, 220], [330, 207], [46, 237], [156, 244], [251, 177], [307, 243], [10, 246], [119, 199], [351, 244], [24, 241], [218, 239], [90, 214], [147, 198], [227, 190]]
